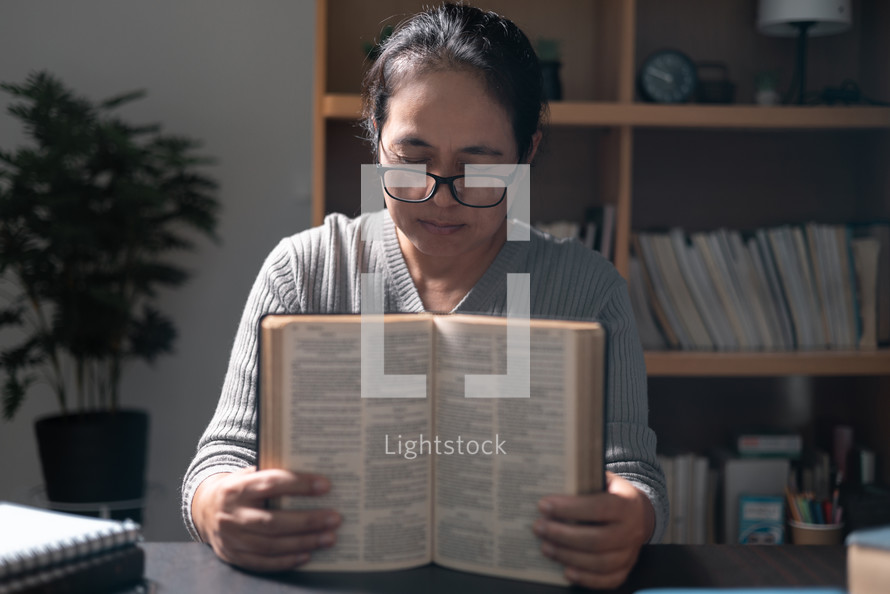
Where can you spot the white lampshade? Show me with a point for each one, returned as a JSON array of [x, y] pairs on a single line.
[[777, 17]]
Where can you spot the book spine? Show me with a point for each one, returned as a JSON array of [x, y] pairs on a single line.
[[716, 307], [764, 292], [843, 236], [659, 287], [749, 289], [723, 257], [816, 313], [697, 289], [702, 244], [679, 292], [646, 325], [777, 293]]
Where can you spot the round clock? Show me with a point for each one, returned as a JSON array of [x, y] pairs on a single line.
[[667, 76]]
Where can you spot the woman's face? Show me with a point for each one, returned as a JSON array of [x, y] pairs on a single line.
[[446, 120]]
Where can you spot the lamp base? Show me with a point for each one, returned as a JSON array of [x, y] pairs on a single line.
[[800, 68]]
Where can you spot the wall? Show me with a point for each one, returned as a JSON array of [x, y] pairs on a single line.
[[236, 75]]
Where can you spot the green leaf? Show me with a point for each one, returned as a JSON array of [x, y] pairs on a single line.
[[14, 391], [152, 335], [121, 99]]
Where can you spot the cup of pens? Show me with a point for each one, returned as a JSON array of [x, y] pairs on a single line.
[[803, 533], [814, 521]]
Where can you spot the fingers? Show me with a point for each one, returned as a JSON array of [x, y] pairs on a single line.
[[296, 543], [591, 538], [582, 546], [265, 484], [594, 570], [588, 579], [241, 531], [599, 563], [278, 523], [263, 563], [599, 507], [274, 540], [612, 505], [273, 554], [593, 556], [596, 537]]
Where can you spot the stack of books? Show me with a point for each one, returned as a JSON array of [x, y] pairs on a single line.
[[45, 551], [868, 560], [691, 487], [791, 287]]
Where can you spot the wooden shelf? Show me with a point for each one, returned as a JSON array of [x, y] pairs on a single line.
[[825, 363], [341, 106], [716, 116], [590, 113]]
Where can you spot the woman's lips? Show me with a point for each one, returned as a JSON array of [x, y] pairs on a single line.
[[440, 227]]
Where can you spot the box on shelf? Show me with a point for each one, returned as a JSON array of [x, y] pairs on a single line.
[[761, 519]]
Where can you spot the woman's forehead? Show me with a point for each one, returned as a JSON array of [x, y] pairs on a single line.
[[452, 106]]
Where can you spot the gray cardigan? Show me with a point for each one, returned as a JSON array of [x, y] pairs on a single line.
[[319, 271]]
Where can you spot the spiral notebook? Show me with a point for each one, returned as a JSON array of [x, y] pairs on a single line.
[[32, 539]]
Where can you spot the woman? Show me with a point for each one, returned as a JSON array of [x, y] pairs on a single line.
[[452, 87]]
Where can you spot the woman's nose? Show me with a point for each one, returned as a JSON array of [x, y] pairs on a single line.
[[443, 196]]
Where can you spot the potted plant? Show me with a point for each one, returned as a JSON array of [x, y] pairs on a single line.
[[89, 214]]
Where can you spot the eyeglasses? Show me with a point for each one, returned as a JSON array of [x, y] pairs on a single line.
[[411, 183]]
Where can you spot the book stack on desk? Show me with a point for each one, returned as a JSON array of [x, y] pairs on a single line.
[[44, 552], [868, 560]]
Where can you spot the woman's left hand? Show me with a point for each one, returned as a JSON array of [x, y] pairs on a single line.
[[596, 537]]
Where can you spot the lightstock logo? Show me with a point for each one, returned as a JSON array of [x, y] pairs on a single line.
[[375, 383]]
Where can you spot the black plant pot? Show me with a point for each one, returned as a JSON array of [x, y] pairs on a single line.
[[96, 457]]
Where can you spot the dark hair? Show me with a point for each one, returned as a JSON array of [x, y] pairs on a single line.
[[460, 37]]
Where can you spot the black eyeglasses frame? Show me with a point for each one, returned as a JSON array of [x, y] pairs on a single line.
[[507, 179]]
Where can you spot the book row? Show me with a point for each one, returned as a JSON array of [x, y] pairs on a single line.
[[732, 500], [749, 495], [790, 287], [692, 492]]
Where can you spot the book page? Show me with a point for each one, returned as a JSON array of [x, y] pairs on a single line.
[[381, 489], [486, 494]]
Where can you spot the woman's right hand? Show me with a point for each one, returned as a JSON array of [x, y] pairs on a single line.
[[228, 510]]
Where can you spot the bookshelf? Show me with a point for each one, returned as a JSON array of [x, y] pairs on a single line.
[[343, 106], [695, 166], [741, 364]]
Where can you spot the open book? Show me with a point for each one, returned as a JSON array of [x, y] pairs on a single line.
[[447, 461]]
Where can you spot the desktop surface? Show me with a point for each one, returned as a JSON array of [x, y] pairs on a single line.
[[193, 567]]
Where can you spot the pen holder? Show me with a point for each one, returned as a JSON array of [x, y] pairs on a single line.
[[816, 534]]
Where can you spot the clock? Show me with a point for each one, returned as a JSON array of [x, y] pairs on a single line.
[[667, 76]]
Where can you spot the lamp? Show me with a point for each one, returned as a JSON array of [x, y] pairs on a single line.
[[802, 18]]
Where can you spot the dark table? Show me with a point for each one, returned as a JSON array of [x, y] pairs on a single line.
[[193, 568]]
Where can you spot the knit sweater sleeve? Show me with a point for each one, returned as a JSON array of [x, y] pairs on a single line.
[[229, 441], [630, 443]]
